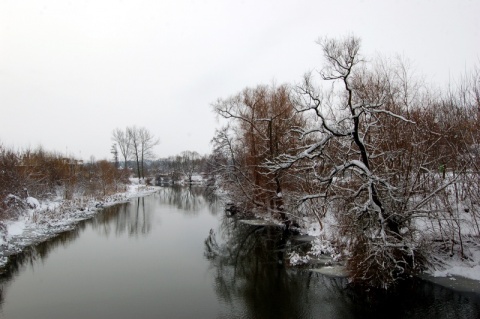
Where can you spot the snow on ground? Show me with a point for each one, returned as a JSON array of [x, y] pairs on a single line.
[[447, 267], [32, 202], [322, 245], [16, 228], [455, 266], [46, 219], [459, 269]]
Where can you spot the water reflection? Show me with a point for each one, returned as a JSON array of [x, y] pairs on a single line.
[[34, 254], [163, 262], [189, 199], [132, 218], [252, 281], [141, 218]]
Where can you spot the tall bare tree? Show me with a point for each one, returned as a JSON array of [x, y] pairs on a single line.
[[142, 142], [147, 143], [122, 138]]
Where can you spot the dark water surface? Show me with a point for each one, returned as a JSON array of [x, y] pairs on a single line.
[[175, 255]]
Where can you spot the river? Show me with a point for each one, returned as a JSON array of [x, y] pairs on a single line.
[[175, 254]]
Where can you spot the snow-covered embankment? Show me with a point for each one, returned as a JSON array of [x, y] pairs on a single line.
[[41, 220]]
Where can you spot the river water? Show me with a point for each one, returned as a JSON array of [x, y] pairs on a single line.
[[176, 255]]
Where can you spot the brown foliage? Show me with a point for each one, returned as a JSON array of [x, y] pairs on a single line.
[[261, 120], [380, 151], [42, 174]]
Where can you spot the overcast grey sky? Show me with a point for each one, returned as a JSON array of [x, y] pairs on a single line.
[[72, 71]]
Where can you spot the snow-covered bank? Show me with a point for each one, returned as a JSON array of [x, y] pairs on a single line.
[[450, 271], [42, 220], [465, 272], [326, 243]]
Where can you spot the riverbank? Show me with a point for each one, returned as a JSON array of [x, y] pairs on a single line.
[[448, 270], [313, 251], [453, 272], [45, 219]]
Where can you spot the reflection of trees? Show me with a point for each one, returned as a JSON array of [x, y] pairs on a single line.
[[249, 269], [212, 199], [252, 282], [190, 199], [132, 217]]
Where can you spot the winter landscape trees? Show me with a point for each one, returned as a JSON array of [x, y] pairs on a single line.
[[259, 130], [41, 174], [387, 166], [188, 162], [188, 167], [364, 144], [136, 143]]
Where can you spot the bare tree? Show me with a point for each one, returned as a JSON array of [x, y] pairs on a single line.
[[142, 143], [147, 143], [352, 159], [122, 138], [189, 163]]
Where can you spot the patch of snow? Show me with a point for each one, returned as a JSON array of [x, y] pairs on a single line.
[[463, 268], [333, 271], [296, 259], [314, 229], [258, 222], [460, 270], [13, 197], [32, 202], [454, 266], [197, 178], [15, 228], [325, 247]]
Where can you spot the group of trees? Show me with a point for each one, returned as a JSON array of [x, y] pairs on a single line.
[[367, 143], [41, 174], [183, 166], [261, 128], [136, 144]]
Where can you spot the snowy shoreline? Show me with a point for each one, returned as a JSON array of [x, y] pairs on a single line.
[[49, 218], [451, 272]]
